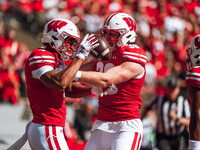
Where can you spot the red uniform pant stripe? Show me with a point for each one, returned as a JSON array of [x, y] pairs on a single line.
[[55, 138], [139, 142], [47, 137], [136, 141]]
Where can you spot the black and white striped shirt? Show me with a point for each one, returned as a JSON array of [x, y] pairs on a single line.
[[166, 125]]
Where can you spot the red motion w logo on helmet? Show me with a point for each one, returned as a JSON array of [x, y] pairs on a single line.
[[56, 24], [130, 23]]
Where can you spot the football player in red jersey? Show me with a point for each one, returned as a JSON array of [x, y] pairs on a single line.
[[193, 90], [47, 77], [118, 83]]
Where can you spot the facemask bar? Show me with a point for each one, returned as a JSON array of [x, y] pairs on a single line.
[[114, 42], [69, 47]]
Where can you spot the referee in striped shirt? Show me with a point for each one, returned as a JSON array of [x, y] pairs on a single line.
[[173, 116]]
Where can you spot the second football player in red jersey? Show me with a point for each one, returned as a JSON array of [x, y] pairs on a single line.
[[118, 83], [193, 90]]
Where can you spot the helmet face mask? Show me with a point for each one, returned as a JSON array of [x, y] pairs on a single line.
[[113, 37], [63, 36], [193, 53], [69, 47], [120, 23]]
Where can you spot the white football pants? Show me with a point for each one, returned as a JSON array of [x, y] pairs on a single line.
[[123, 140], [45, 137]]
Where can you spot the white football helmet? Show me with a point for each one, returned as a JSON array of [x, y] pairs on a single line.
[[193, 53], [122, 24], [63, 36]]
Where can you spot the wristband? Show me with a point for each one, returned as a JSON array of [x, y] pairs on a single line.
[[77, 76]]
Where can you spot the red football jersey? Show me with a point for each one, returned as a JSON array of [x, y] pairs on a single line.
[[126, 103], [193, 77], [48, 105]]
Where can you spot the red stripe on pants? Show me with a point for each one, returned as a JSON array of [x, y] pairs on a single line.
[[48, 138], [138, 146], [55, 138], [134, 141]]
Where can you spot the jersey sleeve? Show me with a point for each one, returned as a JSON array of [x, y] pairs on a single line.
[[193, 77], [135, 54], [40, 62]]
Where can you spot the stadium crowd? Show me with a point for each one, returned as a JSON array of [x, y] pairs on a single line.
[[164, 30]]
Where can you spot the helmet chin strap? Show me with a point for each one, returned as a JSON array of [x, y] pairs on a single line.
[[63, 56]]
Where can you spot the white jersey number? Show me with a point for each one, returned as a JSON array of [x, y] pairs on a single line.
[[101, 68]]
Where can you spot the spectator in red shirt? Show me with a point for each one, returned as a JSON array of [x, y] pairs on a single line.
[[8, 43], [9, 84]]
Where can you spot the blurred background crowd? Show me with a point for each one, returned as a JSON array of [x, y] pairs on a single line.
[[164, 30]]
